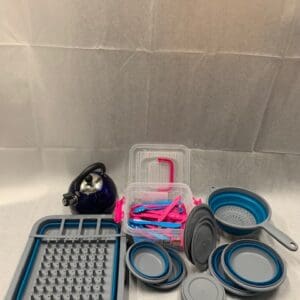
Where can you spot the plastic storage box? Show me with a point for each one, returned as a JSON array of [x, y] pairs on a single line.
[[138, 193], [156, 172]]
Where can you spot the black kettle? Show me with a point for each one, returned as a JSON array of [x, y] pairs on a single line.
[[92, 191]]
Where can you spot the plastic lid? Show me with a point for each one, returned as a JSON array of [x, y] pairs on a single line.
[[200, 230], [203, 243], [198, 286], [159, 163]]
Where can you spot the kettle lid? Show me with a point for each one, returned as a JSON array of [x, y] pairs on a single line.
[[92, 183]]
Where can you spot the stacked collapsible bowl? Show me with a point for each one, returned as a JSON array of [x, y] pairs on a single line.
[[160, 268], [246, 267]]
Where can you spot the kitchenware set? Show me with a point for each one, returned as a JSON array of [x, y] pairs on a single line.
[[84, 256]]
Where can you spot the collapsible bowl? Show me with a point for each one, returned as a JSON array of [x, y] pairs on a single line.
[[253, 265], [241, 212]]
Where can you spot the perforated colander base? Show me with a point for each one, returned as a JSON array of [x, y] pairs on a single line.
[[235, 215]]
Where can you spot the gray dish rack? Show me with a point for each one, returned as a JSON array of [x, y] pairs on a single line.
[[79, 257]]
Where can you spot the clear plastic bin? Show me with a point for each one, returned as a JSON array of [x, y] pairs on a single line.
[[137, 193], [144, 164], [156, 172]]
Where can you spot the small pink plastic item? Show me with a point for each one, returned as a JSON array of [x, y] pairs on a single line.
[[171, 173], [174, 212], [169, 208], [156, 215], [118, 212], [197, 201], [146, 216]]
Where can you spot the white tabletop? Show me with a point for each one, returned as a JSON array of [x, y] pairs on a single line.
[[275, 177]]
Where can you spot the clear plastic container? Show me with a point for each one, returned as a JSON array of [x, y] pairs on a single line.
[[138, 193], [156, 172], [144, 164]]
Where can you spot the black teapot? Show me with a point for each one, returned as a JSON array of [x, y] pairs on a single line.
[[92, 191]]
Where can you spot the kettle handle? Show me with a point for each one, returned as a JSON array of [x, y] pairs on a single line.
[[91, 168], [77, 181]]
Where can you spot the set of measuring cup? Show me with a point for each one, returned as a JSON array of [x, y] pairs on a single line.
[[164, 213], [160, 268]]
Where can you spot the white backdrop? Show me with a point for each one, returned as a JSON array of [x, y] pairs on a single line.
[[83, 80], [109, 73]]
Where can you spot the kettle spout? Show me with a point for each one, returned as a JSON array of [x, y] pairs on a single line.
[[69, 199]]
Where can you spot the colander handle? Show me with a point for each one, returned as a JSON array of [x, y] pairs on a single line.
[[281, 237]]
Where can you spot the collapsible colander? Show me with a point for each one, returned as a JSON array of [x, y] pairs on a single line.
[[241, 212]]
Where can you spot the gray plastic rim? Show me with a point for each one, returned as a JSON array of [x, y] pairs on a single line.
[[208, 215], [277, 234], [202, 266], [147, 280], [228, 288], [189, 279], [163, 286], [249, 287]]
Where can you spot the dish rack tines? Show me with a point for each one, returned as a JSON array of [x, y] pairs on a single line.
[[71, 257]]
